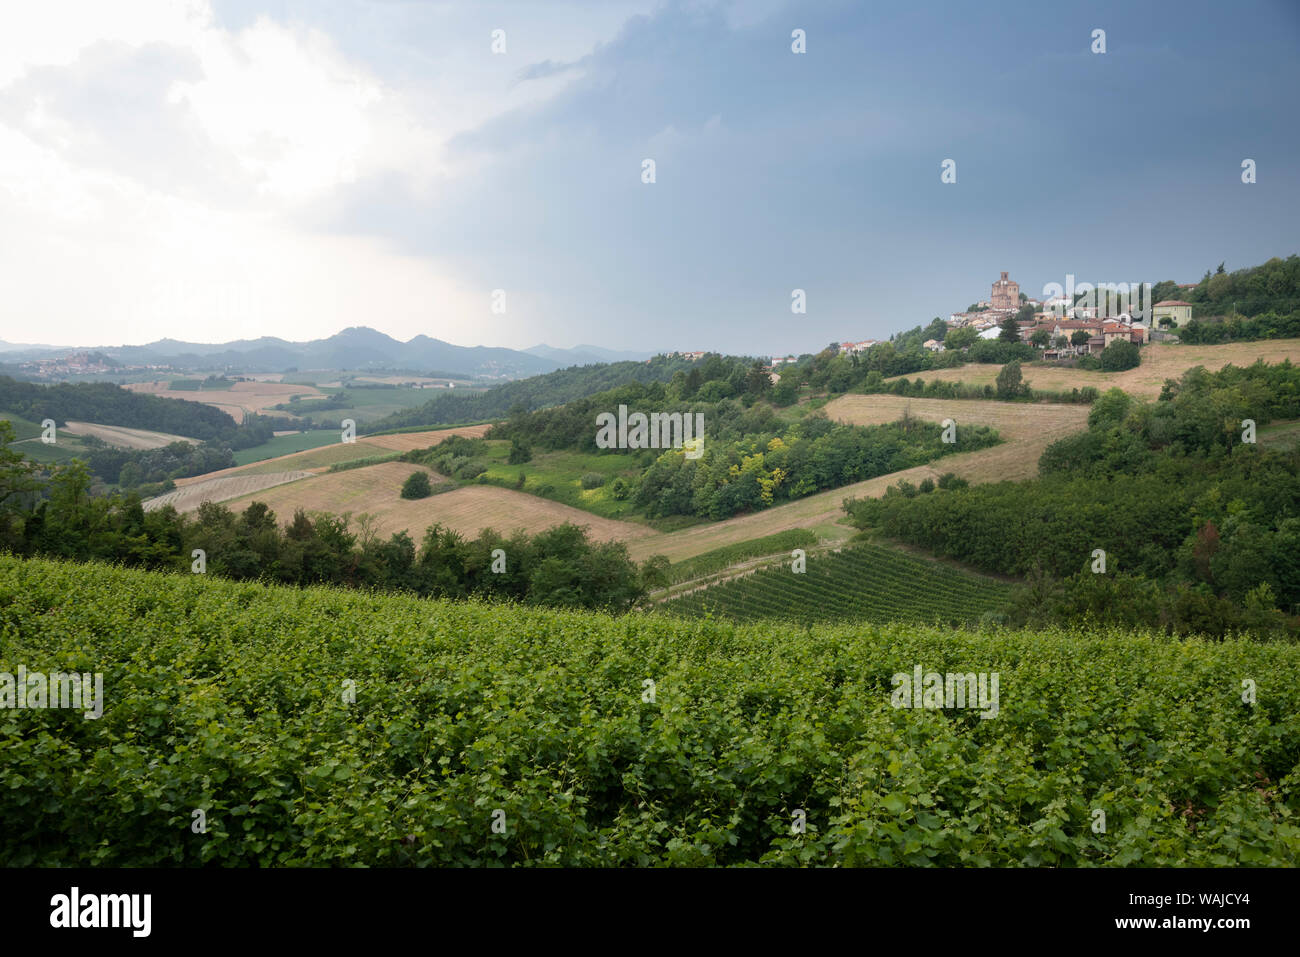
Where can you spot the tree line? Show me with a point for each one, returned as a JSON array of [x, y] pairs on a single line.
[[751, 458], [53, 514], [1200, 530]]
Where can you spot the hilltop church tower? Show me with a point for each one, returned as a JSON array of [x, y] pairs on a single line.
[[1006, 294]]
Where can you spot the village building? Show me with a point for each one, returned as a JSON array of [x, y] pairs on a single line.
[[1171, 312]]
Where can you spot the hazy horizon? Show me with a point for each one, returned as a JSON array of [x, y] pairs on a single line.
[[215, 171]]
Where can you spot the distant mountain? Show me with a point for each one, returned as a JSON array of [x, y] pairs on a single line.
[[19, 347], [356, 348], [586, 355]]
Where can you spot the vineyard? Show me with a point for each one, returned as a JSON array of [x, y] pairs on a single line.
[[324, 727], [862, 583]]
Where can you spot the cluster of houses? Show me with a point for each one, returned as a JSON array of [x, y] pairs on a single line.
[[1059, 317], [76, 363]]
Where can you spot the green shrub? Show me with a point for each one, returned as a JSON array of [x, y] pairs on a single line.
[[417, 485], [592, 480]]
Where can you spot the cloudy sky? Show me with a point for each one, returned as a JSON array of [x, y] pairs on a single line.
[[209, 170]]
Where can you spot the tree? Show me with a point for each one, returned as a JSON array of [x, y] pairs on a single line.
[[520, 452], [757, 380], [1120, 355], [1010, 330], [1080, 337], [1025, 313], [417, 485], [961, 337], [1041, 338], [1010, 383]]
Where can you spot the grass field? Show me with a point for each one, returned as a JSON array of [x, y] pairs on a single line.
[[286, 445], [861, 583], [1160, 361], [1280, 435], [23, 428], [64, 449], [369, 405], [557, 476], [637, 741]]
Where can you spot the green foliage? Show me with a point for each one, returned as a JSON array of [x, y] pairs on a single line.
[[1168, 490], [536, 392], [864, 583], [717, 559], [108, 404], [592, 480], [520, 452], [1120, 355], [230, 697], [1010, 382], [417, 485]]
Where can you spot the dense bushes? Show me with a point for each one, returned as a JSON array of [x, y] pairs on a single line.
[[751, 458], [1168, 490], [1119, 355], [417, 485], [324, 727], [55, 516]]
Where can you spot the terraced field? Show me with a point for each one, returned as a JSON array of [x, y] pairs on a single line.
[[863, 583]]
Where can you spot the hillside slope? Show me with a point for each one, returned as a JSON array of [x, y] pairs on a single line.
[[323, 727]]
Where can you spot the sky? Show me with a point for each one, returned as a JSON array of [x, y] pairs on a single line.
[[209, 170]]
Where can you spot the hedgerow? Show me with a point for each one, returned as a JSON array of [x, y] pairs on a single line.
[[229, 697]]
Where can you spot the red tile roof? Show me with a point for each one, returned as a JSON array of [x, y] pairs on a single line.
[[1173, 302]]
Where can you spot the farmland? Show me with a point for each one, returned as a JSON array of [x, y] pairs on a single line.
[[375, 490], [1160, 361], [237, 400], [123, 437], [337, 452], [282, 445], [859, 583], [189, 497], [235, 698], [1027, 429]]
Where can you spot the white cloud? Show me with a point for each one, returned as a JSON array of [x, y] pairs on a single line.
[[164, 175]]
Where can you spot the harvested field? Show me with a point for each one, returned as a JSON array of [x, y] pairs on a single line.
[[1160, 361], [124, 438], [320, 459], [376, 489], [188, 498], [240, 399], [407, 441]]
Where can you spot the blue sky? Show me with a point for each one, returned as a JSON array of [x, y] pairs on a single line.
[[209, 171]]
